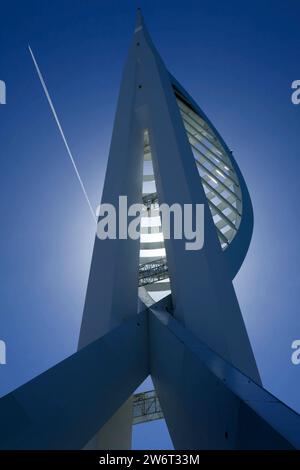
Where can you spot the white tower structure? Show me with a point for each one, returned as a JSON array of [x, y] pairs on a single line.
[[186, 330]]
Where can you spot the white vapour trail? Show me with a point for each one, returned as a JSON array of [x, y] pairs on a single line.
[[62, 132]]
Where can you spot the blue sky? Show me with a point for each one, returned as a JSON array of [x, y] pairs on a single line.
[[238, 60]]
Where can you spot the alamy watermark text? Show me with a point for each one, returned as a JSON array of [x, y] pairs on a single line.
[[178, 221]]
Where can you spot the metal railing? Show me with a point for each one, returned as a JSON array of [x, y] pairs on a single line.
[[153, 271], [146, 407]]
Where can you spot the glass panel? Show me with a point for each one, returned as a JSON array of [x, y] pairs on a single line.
[[216, 172]]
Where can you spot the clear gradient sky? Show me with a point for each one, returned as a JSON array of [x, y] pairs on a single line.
[[238, 60]]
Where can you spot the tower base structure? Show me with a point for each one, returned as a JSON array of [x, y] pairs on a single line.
[[207, 402]]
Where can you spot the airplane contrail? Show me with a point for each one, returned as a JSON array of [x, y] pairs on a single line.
[[62, 133]]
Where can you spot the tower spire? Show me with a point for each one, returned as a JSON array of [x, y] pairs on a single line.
[[139, 23]]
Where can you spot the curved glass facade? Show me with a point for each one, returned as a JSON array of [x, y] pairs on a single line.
[[221, 187], [217, 174]]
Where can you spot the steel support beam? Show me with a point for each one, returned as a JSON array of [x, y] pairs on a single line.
[[64, 407], [208, 403]]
